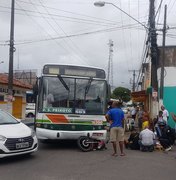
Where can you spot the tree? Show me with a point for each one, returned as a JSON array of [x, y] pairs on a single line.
[[121, 93]]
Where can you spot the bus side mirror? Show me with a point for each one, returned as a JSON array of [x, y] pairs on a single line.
[[35, 92]]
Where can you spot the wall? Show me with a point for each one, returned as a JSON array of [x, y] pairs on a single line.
[[169, 98], [19, 97]]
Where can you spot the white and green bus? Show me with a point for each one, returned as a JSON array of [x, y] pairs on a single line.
[[71, 102]]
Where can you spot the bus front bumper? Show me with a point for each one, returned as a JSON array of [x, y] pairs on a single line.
[[45, 134]]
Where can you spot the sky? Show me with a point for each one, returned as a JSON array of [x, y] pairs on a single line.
[[78, 33]]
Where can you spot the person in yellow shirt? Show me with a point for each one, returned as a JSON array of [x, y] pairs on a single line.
[[145, 119]]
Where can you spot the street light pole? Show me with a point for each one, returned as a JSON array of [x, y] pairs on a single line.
[[102, 3], [11, 50]]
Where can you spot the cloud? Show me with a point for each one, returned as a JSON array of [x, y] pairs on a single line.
[[34, 22]]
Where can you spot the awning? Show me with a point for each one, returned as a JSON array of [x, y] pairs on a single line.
[[139, 96]]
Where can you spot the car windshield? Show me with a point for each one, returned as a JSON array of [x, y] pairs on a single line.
[[6, 118]]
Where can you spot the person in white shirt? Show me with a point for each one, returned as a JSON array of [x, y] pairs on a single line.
[[165, 114], [147, 140]]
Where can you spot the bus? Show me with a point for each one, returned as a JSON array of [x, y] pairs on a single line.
[[30, 104], [71, 102]]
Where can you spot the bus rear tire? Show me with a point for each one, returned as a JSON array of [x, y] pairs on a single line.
[[84, 143]]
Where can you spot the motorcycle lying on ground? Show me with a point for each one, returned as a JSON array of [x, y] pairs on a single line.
[[86, 143]]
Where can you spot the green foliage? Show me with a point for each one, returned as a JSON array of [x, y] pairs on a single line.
[[122, 94]]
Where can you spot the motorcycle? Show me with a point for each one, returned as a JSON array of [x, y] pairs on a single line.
[[86, 143]]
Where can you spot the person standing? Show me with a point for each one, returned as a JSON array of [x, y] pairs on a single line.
[[139, 117], [133, 112], [115, 117], [165, 114], [145, 119]]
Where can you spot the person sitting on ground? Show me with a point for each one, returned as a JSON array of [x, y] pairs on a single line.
[[147, 139], [133, 141], [166, 135]]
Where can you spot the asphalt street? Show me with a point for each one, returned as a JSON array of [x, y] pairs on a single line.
[[64, 161]]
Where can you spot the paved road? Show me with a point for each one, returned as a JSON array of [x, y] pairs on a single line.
[[64, 161]]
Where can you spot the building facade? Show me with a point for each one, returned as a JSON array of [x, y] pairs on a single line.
[[16, 104], [169, 89]]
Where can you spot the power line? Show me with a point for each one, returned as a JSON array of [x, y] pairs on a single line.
[[45, 31], [75, 46], [124, 42], [52, 27], [81, 20], [74, 35], [78, 14]]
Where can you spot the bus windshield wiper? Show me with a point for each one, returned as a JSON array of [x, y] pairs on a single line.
[[88, 86], [63, 82]]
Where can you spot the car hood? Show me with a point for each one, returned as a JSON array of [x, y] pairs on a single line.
[[15, 130]]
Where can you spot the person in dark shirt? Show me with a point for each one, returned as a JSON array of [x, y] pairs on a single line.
[[165, 135], [133, 141]]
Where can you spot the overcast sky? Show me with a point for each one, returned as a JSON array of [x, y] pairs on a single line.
[[76, 32]]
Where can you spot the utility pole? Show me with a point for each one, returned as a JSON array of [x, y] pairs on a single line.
[[134, 76], [11, 51], [163, 55], [153, 48], [110, 63]]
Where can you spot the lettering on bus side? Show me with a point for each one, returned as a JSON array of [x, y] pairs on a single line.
[[58, 110]]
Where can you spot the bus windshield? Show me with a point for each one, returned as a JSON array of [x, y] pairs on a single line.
[[70, 95]]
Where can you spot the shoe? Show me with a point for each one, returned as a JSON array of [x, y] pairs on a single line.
[[168, 149]]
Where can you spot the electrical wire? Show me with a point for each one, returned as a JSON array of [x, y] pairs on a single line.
[[75, 35], [52, 27], [75, 46], [69, 12], [80, 20]]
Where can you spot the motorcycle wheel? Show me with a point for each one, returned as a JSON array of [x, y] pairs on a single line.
[[84, 143]]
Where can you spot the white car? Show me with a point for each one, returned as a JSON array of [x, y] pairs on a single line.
[[30, 113], [15, 137], [30, 110]]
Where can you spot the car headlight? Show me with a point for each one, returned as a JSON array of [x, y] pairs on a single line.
[[2, 138], [33, 133]]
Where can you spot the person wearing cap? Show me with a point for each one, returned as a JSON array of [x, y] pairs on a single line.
[[165, 113], [165, 135]]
